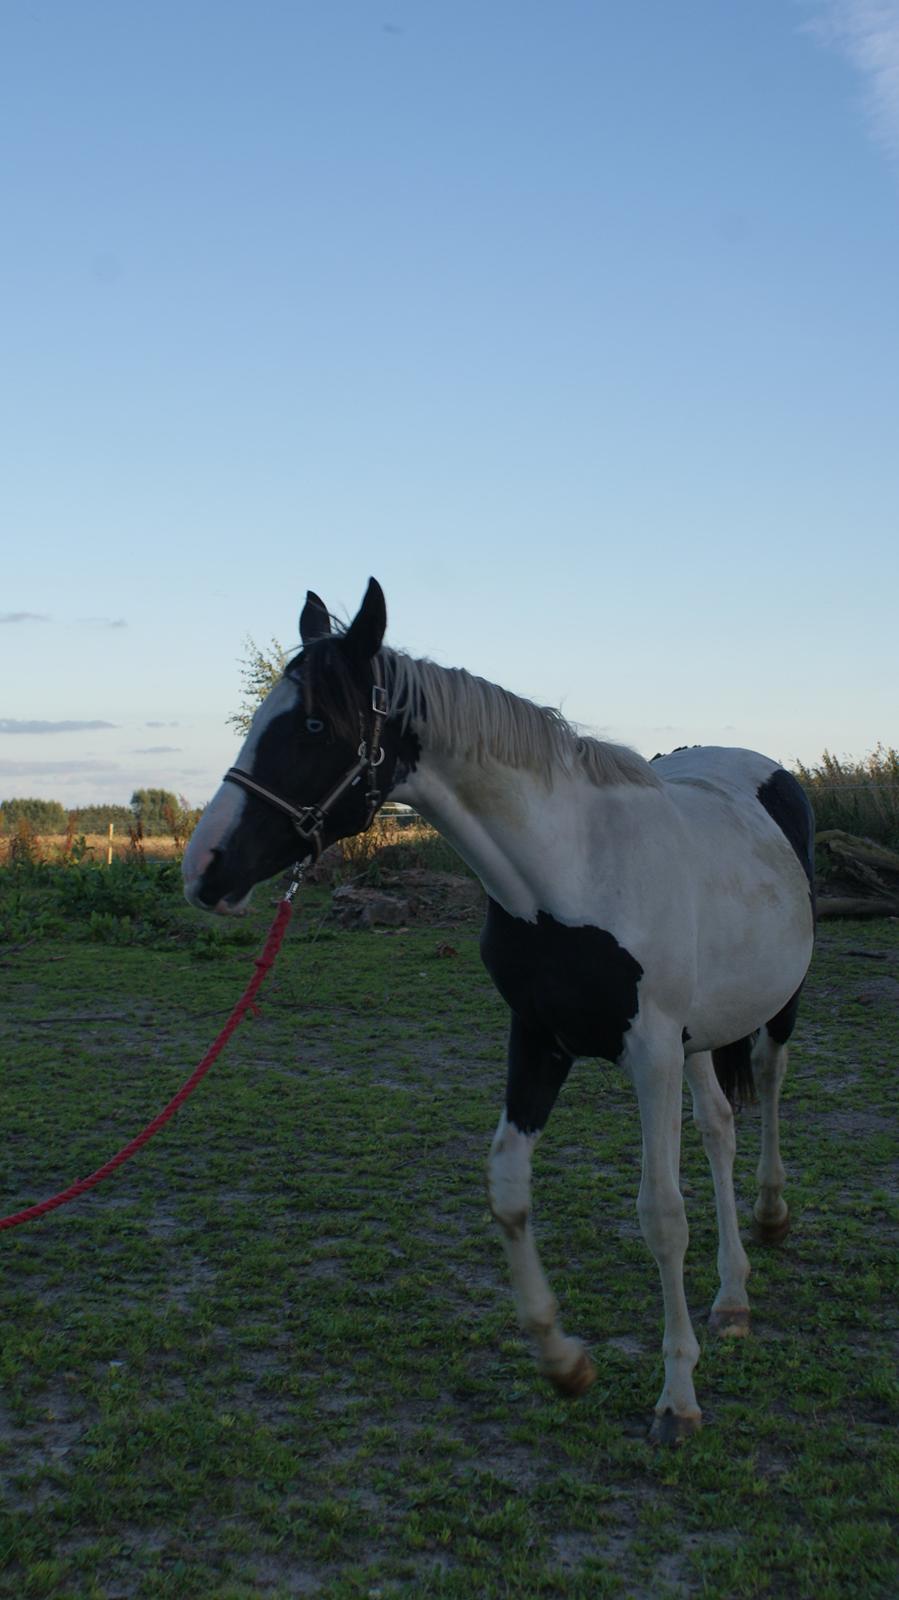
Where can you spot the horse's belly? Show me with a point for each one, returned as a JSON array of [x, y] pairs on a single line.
[[745, 978]]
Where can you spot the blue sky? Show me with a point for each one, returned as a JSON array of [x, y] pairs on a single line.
[[575, 323]]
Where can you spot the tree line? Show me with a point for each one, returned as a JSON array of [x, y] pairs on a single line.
[[154, 812]]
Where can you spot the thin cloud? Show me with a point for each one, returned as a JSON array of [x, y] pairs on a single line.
[[31, 769], [157, 750], [866, 32], [13, 725], [162, 724], [82, 622]]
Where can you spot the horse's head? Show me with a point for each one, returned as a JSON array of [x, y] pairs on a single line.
[[318, 760]]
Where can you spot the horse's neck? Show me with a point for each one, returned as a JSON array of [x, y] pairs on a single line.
[[492, 815]]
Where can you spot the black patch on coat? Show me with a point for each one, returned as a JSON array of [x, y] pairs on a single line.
[[787, 804], [538, 1067], [733, 1069], [781, 1026], [661, 754], [577, 986], [408, 754]]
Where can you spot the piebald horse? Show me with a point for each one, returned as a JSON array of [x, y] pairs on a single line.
[[656, 914]]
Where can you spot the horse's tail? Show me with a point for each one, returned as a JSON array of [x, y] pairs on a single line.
[[733, 1069]]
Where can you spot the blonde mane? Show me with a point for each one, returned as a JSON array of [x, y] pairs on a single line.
[[476, 719]]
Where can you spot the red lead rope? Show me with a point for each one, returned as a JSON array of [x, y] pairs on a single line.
[[263, 963]]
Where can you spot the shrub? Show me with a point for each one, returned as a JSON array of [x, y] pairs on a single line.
[[181, 819], [127, 889], [24, 847], [860, 797], [396, 844]]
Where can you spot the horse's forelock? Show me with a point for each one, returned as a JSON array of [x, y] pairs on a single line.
[[331, 687]]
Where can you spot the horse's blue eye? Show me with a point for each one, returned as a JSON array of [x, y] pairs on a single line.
[[313, 725]]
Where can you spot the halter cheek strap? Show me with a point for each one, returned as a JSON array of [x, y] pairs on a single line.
[[309, 821]]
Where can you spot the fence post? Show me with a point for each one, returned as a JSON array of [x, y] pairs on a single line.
[[109, 846]]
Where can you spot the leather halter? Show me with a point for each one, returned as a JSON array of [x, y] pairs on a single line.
[[309, 821]]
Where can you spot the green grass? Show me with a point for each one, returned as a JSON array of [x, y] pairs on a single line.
[[275, 1355]]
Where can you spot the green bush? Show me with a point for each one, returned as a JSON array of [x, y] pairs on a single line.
[[126, 888]]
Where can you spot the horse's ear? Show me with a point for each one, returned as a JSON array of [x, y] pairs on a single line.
[[314, 619], [365, 632]]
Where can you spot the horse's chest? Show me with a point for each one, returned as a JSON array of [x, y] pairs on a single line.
[[577, 984]]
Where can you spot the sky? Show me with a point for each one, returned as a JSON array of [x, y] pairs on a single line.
[[573, 322]]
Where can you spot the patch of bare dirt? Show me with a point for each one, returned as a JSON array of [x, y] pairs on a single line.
[[879, 992], [416, 895]]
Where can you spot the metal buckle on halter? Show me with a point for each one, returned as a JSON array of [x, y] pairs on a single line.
[[379, 703], [297, 874], [309, 822]]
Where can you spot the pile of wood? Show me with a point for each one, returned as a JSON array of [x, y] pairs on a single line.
[[859, 878]]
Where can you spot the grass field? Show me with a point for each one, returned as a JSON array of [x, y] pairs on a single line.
[[276, 1355], [52, 847]]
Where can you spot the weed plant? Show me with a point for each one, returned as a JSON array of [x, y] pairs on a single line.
[[131, 901], [391, 846], [860, 797]]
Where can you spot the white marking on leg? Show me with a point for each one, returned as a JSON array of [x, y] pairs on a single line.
[[769, 1065], [509, 1190], [656, 1068], [715, 1120]]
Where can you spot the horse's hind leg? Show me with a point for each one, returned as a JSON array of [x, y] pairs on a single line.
[[537, 1070], [769, 1065], [714, 1118]]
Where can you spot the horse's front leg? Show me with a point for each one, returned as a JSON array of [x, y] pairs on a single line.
[[654, 1057], [537, 1069]]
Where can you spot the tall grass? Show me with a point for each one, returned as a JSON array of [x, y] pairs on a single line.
[[861, 797], [391, 845], [61, 849]]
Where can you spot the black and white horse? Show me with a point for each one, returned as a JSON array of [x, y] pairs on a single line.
[[657, 914]]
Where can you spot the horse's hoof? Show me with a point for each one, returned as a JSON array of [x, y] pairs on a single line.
[[730, 1324], [670, 1429], [577, 1380], [771, 1232]]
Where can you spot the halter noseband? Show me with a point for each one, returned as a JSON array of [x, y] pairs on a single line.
[[309, 821]]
